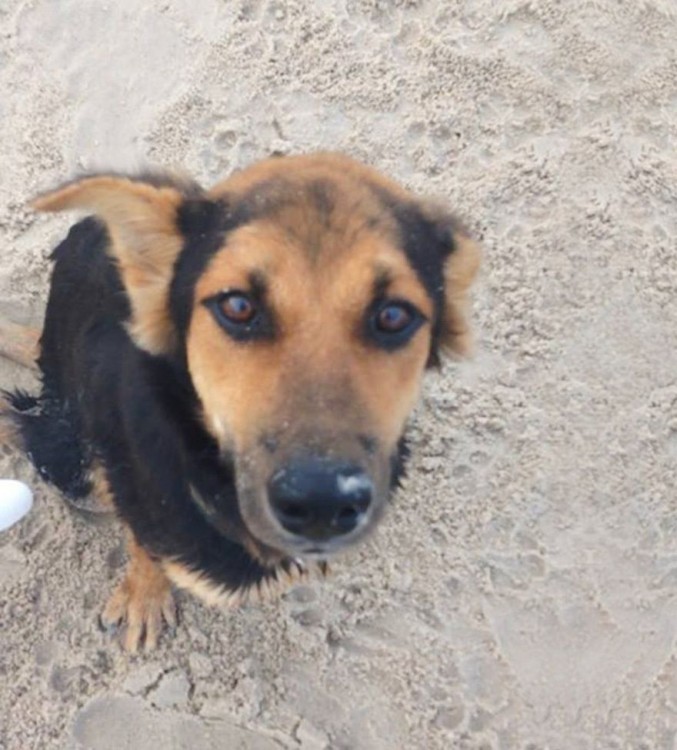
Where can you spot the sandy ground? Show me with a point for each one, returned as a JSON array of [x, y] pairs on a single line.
[[523, 591]]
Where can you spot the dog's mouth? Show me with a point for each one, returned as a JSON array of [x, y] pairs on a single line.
[[321, 552], [302, 551]]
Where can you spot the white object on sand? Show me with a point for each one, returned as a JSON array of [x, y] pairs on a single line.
[[16, 500]]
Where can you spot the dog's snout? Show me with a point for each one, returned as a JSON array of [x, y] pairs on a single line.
[[320, 499]]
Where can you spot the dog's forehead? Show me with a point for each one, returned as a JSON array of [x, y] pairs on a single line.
[[341, 270], [317, 210], [317, 224], [317, 217]]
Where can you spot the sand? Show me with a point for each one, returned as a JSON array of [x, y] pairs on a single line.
[[522, 593]]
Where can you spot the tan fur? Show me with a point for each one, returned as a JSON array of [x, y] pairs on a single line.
[[141, 220], [210, 593], [319, 366], [101, 488], [460, 271], [142, 602], [215, 595], [19, 343], [320, 306]]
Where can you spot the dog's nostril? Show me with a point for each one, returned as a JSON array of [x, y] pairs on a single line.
[[347, 514], [294, 511], [347, 519]]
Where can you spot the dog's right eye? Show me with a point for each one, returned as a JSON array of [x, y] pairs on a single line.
[[391, 323]]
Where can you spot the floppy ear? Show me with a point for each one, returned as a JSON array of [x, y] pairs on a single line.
[[141, 218], [460, 269]]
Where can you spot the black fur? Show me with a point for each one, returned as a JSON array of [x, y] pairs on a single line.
[[103, 397], [73, 349]]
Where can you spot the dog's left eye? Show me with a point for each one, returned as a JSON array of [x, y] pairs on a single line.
[[393, 322], [393, 318], [237, 307]]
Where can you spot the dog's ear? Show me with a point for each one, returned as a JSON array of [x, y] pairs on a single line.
[[142, 218], [461, 264]]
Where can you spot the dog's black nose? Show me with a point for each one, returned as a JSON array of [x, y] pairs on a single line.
[[320, 499]]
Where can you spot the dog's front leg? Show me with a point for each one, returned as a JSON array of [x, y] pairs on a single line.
[[19, 343], [141, 604]]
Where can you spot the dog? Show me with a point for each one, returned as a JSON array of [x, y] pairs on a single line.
[[232, 370]]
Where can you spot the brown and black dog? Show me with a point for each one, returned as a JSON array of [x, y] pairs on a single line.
[[233, 369]]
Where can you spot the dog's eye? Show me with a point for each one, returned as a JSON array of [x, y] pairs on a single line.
[[237, 307], [393, 318], [242, 316], [393, 322]]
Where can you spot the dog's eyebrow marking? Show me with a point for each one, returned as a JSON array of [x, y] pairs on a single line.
[[382, 281], [256, 286], [258, 283], [321, 193]]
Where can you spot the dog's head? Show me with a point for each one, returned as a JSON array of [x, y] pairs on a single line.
[[306, 296]]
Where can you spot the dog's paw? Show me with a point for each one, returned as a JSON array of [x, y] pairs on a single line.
[[138, 611]]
